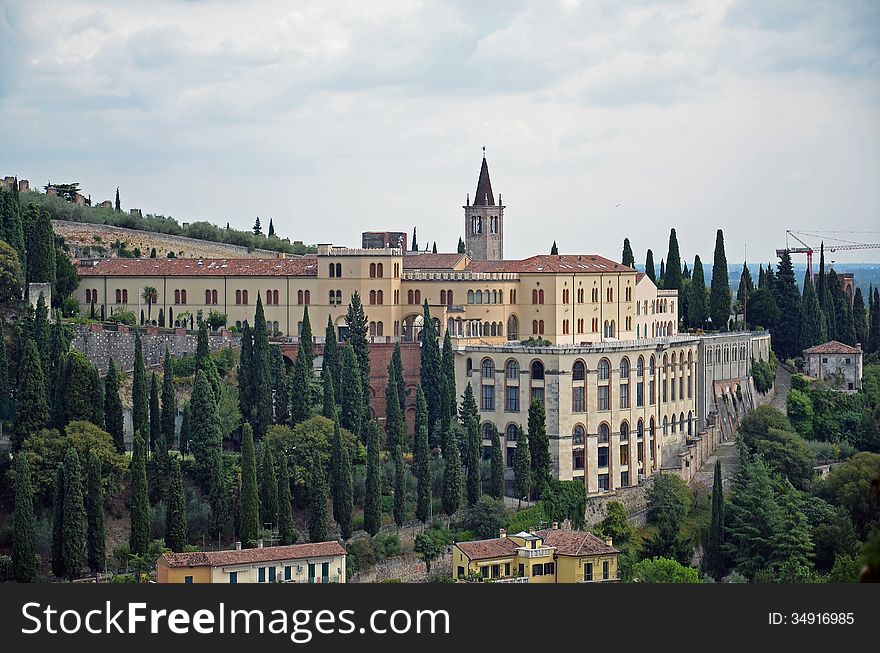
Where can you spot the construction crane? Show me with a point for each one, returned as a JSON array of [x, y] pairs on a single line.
[[835, 244]]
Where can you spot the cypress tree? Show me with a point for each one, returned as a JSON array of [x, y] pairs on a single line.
[[281, 397], [218, 494], [250, 499], [206, 442], [203, 347], [306, 340], [397, 365], [719, 299], [372, 499], [357, 338], [329, 396], [448, 371], [522, 467], [24, 529], [395, 426], [714, 560], [317, 501], [496, 478], [468, 409], [461, 248], [269, 483], [473, 461], [842, 312], [74, 521], [430, 371], [627, 257], [822, 292], [539, 448], [185, 430], [286, 531], [31, 411], [41, 333], [78, 391], [399, 487], [40, 247], [672, 273], [445, 415], [813, 324], [351, 402], [139, 389], [554, 250], [650, 270], [421, 461], [874, 328], [860, 319], [786, 334], [58, 524], [342, 487], [155, 412], [95, 533], [245, 373], [5, 387], [175, 515], [139, 540], [414, 246], [118, 206], [332, 359], [97, 398], [421, 418], [262, 375], [300, 389], [698, 309], [661, 279], [451, 474], [169, 402], [13, 231]]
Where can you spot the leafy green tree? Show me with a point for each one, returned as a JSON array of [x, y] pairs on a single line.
[[431, 544], [175, 515], [331, 359], [791, 541], [539, 448], [669, 503], [31, 410], [79, 391], [788, 455], [342, 485], [250, 498], [5, 386], [24, 530], [169, 401], [269, 484], [719, 299], [650, 270], [286, 530], [139, 389], [372, 498], [357, 338], [140, 505], [399, 486], [762, 310], [496, 477], [848, 485], [615, 524], [318, 531], [522, 467], [663, 570], [715, 560], [745, 287], [698, 301], [752, 518], [113, 418], [329, 394], [13, 230], [95, 532], [351, 397], [74, 521], [11, 275], [451, 474], [261, 379], [786, 335]]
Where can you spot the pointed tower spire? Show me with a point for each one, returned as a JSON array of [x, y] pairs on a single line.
[[483, 196]]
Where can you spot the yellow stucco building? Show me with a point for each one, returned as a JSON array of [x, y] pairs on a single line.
[[556, 555]]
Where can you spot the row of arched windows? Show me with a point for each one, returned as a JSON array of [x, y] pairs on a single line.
[[180, 296], [241, 296], [376, 297], [482, 297], [726, 354], [271, 297], [302, 297], [91, 296], [335, 298], [336, 270], [474, 329], [377, 329], [121, 296], [446, 298], [413, 296], [376, 270]]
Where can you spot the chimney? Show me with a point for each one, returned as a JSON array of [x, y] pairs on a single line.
[[556, 526], [531, 531], [260, 543], [238, 546], [502, 532], [609, 541]]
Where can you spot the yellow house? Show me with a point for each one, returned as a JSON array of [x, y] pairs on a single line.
[[549, 556], [319, 562]]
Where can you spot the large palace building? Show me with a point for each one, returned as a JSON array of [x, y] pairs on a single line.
[[595, 340]]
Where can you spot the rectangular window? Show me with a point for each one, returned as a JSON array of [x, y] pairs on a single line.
[[624, 395], [233, 577], [538, 570], [507, 569], [522, 570], [272, 572], [624, 479], [511, 452], [188, 580], [604, 403], [605, 570], [665, 385], [577, 459], [512, 399], [549, 569], [640, 394], [288, 570], [261, 575], [602, 457], [653, 392], [538, 393], [603, 482], [577, 399], [588, 571], [460, 571], [488, 397]]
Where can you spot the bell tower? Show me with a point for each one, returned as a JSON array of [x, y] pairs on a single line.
[[484, 221]]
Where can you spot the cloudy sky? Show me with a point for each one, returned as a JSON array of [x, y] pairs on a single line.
[[337, 117]]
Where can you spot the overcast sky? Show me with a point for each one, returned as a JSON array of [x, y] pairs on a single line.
[[338, 117]]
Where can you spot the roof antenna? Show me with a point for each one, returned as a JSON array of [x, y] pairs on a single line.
[[484, 151]]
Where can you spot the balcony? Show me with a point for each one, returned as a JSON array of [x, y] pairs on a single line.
[[541, 552], [323, 579]]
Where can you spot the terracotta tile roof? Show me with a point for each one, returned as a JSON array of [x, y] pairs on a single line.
[[304, 266], [500, 547], [832, 347], [575, 543], [250, 556], [564, 263], [412, 261]]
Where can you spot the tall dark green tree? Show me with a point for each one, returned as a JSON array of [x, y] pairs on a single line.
[[78, 388], [5, 385], [786, 335], [58, 524], [41, 334], [261, 379], [206, 438], [185, 430], [860, 318], [842, 312], [451, 474], [139, 390], [329, 394], [169, 402], [813, 323], [176, 527], [791, 542], [661, 280], [752, 518], [539, 448], [269, 484], [421, 462], [351, 413], [332, 360], [372, 498], [823, 294], [342, 485], [301, 385], [397, 365], [246, 373], [698, 300], [399, 486], [554, 250], [31, 410], [280, 387], [650, 270], [874, 325], [672, 274], [40, 247], [746, 287], [318, 529], [139, 539], [286, 530], [473, 461], [496, 478], [715, 560], [113, 417], [250, 498], [95, 532], [357, 338], [431, 371], [461, 246], [447, 366], [627, 257], [24, 529], [218, 495], [719, 299], [522, 467], [155, 412], [74, 523]]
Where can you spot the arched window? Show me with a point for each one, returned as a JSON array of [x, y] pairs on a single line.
[[540, 296], [275, 297], [479, 296], [176, 296], [418, 296], [300, 297], [470, 297], [207, 296], [652, 366], [578, 435], [494, 329], [690, 422], [604, 433], [511, 370], [535, 296], [244, 296], [511, 432], [238, 297], [339, 270], [512, 328], [372, 329], [410, 297], [665, 425], [332, 270], [183, 296], [442, 297], [488, 368], [537, 371], [640, 429], [681, 423], [308, 297], [624, 368], [372, 297], [213, 296], [640, 366], [535, 326], [380, 297], [488, 431], [449, 300], [624, 431], [372, 270], [380, 270], [268, 297], [604, 369], [578, 371]]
